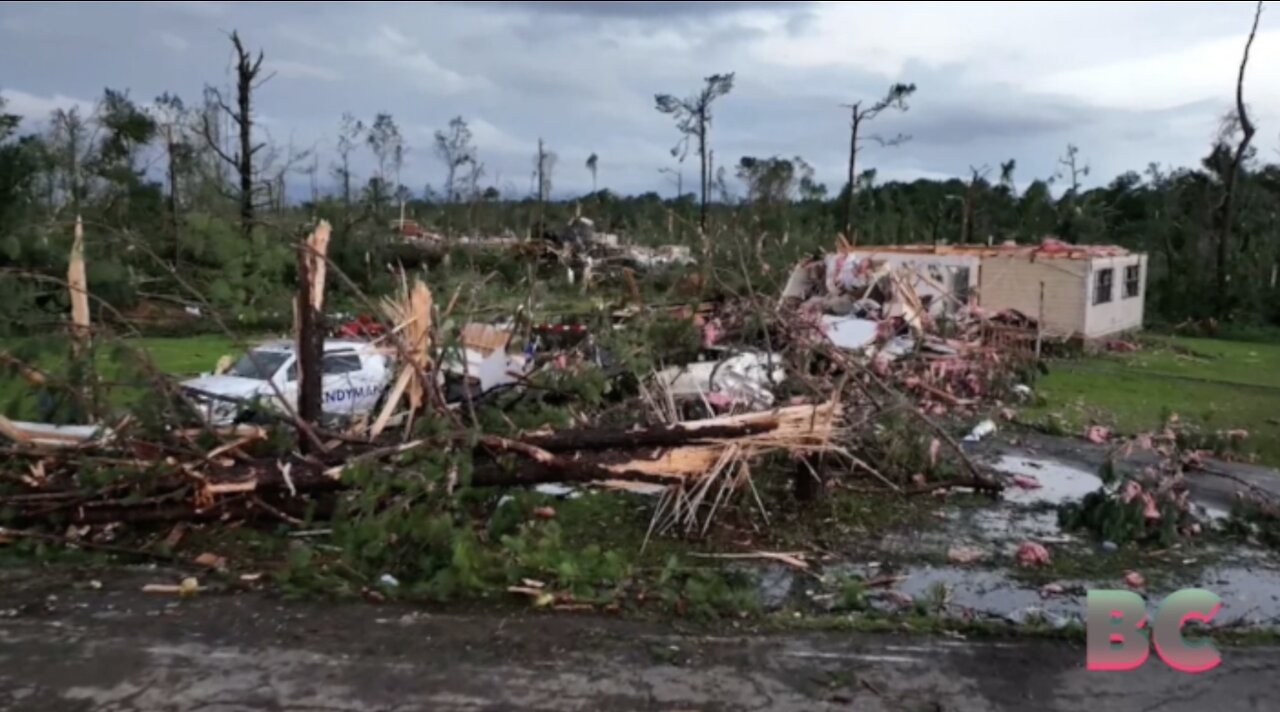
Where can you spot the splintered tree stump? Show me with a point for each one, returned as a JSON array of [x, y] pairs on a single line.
[[808, 483]]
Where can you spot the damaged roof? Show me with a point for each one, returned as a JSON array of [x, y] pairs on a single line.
[[1047, 248]]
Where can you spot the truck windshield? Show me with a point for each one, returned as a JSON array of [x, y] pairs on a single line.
[[258, 364]]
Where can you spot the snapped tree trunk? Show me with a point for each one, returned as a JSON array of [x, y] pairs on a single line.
[[173, 198], [1226, 207], [853, 159], [310, 345], [310, 326], [702, 158], [244, 97], [247, 70]]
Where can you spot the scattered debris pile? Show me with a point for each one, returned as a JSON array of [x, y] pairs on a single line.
[[234, 479], [908, 325], [803, 389]]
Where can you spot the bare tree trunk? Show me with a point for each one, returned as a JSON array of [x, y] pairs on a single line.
[[346, 185], [702, 158], [1226, 208], [856, 119], [310, 346], [310, 326], [247, 71], [542, 160], [245, 74], [173, 198]]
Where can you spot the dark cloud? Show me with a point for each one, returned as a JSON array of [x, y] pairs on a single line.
[[651, 10], [581, 76]]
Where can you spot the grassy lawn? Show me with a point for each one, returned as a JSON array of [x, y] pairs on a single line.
[[1212, 383], [186, 356], [177, 356]]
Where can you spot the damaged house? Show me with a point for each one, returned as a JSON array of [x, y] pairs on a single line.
[[1073, 291]]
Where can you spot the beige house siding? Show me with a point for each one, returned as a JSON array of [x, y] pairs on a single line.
[[1013, 282], [1121, 313]]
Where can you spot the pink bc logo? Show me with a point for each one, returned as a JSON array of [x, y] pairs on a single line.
[[1116, 630]]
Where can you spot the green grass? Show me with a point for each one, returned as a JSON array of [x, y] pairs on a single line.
[[186, 356], [1214, 384], [180, 357]]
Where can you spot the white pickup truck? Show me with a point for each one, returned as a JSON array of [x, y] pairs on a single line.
[[355, 375]]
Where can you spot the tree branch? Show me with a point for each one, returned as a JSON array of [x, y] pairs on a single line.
[[207, 132]]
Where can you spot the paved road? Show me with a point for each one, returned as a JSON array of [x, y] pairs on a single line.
[[114, 649]]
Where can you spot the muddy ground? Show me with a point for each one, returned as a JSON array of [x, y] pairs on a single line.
[[66, 645]]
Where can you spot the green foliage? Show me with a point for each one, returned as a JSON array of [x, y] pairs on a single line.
[[851, 595], [1107, 517], [672, 340], [588, 572], [706, 594], [1252, 519]]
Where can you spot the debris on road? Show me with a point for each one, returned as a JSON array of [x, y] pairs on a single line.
[[965, 554], [1031, 553], [1097, 434], [188, 587], [981, 430]]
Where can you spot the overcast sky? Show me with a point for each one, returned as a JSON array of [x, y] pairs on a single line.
[[1129, 82]]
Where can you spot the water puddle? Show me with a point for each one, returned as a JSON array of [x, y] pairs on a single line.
[[1012, 526], [1246, 579], [989, 594], [1250, 595], [1059, 482]]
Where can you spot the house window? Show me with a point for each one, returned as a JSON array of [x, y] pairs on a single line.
[[1102, 288], [336, 364], [1131, 282]]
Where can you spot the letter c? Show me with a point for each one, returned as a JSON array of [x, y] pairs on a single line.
[[1186, 605]]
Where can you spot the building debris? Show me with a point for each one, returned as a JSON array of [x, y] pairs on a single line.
[[965, 554], [1031, 553], [744, 379], [855, 335], [981, 430]]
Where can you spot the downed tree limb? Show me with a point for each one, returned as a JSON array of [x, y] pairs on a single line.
[[661, 436], [969, 482], [792, 559], [6, 533], [987, 483], [559, 470]]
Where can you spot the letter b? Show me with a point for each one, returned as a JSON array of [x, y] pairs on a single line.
[[1114, 639]]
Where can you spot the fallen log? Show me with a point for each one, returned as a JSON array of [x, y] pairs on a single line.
[[661, 436], [559, 471]]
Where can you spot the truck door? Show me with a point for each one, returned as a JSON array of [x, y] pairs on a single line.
[[342, 385], [287, 380]]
